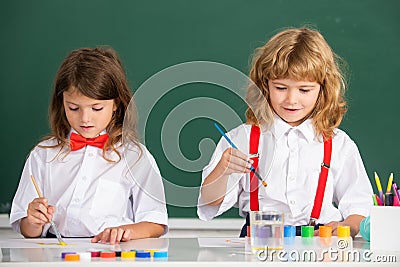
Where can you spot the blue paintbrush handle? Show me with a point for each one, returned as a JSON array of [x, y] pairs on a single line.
[[234, 146], [225, 136]]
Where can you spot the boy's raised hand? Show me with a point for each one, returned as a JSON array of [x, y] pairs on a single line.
[[234, 161], [214, 185]]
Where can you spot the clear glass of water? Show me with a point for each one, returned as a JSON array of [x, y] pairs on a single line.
[[266, 230]]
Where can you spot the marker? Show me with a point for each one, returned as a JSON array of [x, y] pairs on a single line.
[[396, 200], [378, 200], [389, 185], [374, 199], [53, 225], [234, 146], [396, 193], [389, 199], [379, 186]]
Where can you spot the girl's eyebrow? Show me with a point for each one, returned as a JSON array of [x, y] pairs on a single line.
[[69, 102], [93, 104]]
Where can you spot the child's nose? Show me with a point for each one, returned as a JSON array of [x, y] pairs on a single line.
[[292, 97], [85, 116]]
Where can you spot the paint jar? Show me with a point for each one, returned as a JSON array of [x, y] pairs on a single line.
[[266, 230], [365, 228]]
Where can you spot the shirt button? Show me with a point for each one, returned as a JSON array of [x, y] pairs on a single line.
[[292, 202], [90, 154], [292, 178], [84, 178], [76, 200]]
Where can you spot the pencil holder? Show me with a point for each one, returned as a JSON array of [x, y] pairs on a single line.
[[384, 235]]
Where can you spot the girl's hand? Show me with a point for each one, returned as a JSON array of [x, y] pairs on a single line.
[[113, 235], [233, 161], [39, 212]]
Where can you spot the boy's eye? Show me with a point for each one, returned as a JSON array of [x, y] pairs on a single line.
[[304, 90], [73, 109], [97, 109], [280, 87]]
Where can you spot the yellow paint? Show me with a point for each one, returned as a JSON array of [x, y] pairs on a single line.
[[234, 241], [52, 244], [128, 254]]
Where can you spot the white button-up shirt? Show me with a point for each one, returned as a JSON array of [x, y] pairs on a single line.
[[90, 193], [290, 162]]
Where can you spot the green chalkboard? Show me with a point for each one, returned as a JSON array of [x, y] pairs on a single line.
[[153, 36]]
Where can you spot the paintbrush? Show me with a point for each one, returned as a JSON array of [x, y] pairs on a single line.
[[264, 183], [53, 225]]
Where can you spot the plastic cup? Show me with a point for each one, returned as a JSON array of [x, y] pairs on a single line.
[[266, 230]]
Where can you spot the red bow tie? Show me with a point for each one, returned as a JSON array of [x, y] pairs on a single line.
[[77, 141]]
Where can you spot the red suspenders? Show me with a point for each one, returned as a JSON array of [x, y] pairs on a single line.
[[323, 176], [319, 196], [254, 141]]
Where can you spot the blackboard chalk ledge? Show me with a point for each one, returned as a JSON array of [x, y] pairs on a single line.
[[4, 220]]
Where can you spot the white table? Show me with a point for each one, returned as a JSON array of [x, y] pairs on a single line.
[[182, 251]]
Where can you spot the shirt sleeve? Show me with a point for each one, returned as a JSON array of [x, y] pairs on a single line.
[[353, 188], [148, 203], [207, 212], [26, 191]]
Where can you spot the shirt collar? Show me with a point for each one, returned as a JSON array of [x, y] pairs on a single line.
[[280, 127]]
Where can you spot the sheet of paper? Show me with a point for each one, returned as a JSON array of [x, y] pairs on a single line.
[[85, 244], [218, 242], [50, 243]]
